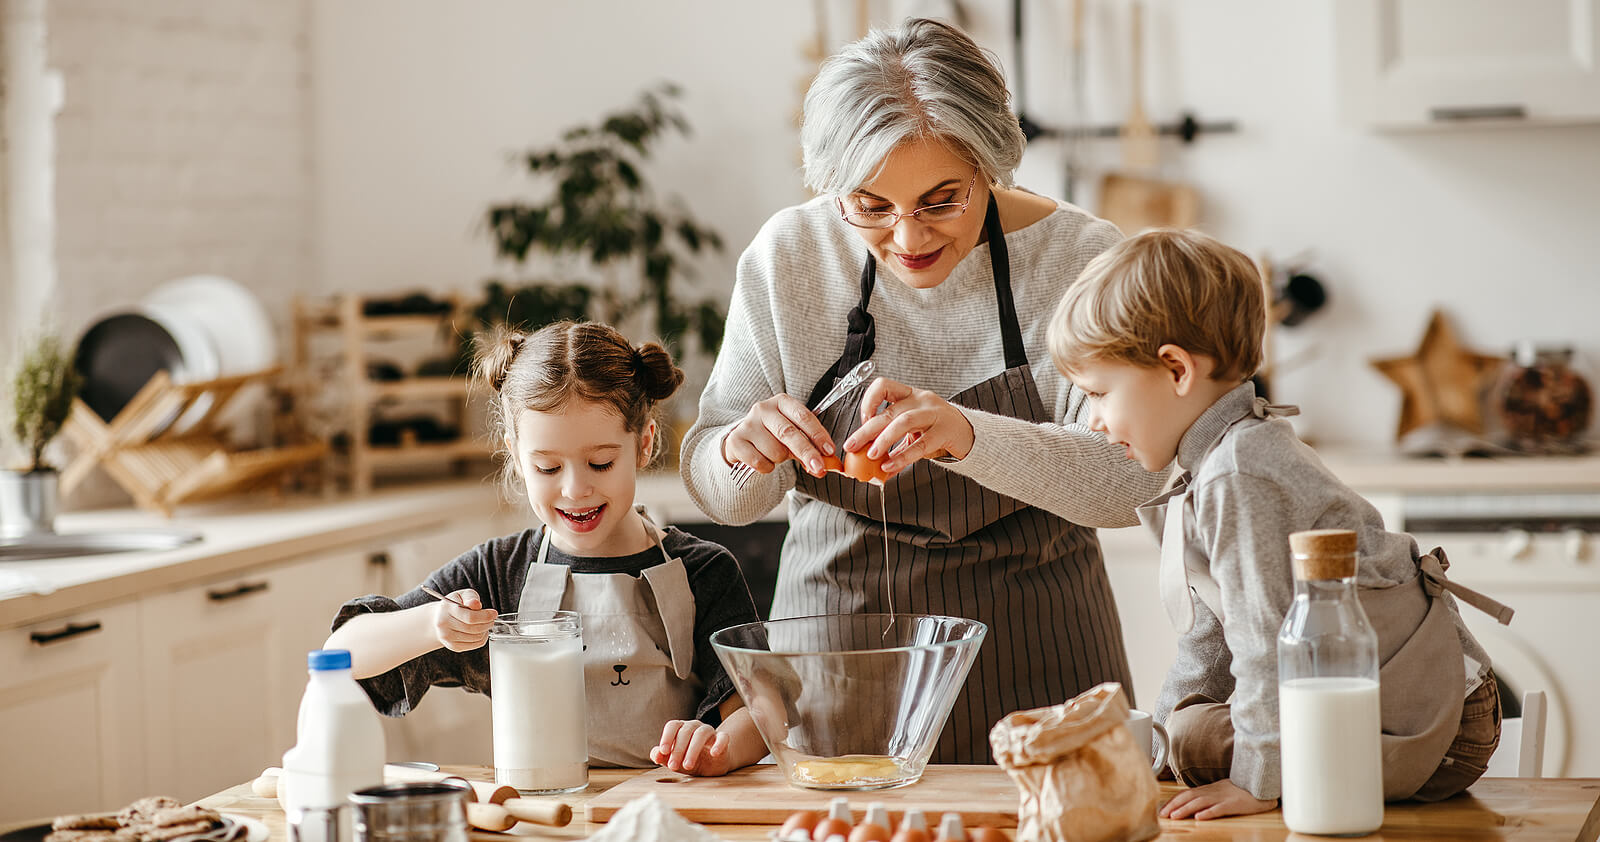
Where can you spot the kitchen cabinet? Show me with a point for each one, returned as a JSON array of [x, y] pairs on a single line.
[[70, 714], [1422, 63]]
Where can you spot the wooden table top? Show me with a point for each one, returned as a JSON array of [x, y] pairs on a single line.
[[1564, 809]]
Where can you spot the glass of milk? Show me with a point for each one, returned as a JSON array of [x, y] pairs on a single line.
[[536, 688], [1328, 713]]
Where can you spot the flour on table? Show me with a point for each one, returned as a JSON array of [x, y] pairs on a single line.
[[649, 819]]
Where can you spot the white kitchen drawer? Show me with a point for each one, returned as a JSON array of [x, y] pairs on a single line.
[[71, 714]]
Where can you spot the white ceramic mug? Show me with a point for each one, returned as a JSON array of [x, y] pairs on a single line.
[[1145, 731]]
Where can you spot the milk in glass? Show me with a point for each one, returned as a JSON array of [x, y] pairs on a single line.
[[536, 684]]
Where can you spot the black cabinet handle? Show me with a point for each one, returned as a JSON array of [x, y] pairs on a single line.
[[244, 589], [69, 630], [378, 559], [1468, 113]]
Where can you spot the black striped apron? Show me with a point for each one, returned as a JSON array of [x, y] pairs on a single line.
[[957, 548]]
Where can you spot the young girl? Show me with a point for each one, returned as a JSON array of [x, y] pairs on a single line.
[[573, 405]]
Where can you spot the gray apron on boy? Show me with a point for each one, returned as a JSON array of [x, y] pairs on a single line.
[[958, 548], [638, 642], [1419, 651]]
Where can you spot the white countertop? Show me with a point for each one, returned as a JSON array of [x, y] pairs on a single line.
[[236, 535], [1387, 471]]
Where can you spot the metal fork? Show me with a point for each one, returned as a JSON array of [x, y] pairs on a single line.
[[854, 377]]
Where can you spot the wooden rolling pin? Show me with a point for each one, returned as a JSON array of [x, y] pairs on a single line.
[[493, 806]]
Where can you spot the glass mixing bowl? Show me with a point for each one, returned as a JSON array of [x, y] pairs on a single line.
[[851, 701]]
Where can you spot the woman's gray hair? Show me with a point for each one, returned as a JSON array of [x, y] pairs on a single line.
[[924, 79]]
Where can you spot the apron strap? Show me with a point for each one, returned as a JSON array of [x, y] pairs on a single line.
[[546, 584], [861, 336], [1000, 260], [1173, 575], [1434, 564]]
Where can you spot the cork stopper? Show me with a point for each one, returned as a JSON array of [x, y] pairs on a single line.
[[1323, 553]]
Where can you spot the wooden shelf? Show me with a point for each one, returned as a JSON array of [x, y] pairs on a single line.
[[426, 451], [344, 315], [421, 387]]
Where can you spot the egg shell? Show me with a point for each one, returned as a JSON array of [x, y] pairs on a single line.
[[858, 467], [984, 833], [801, 820], [911, 834], [868, 832], [829, 827]]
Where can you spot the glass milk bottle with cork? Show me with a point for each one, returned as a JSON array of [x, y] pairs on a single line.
[[1328, 711]]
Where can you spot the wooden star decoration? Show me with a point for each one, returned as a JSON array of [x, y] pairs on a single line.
[[1443, 382]]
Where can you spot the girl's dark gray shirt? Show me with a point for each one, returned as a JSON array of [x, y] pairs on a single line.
[[497, 569]]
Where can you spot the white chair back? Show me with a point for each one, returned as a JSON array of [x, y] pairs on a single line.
[[1521, 750]]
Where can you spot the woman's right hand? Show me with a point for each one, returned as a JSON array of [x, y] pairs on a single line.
[[776, 429], [463, 629]]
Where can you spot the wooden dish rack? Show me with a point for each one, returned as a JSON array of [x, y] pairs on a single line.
[[158, 454]]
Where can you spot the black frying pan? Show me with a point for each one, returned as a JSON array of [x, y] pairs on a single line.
[[117, 356]]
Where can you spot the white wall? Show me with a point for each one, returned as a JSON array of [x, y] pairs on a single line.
[[182, 148]]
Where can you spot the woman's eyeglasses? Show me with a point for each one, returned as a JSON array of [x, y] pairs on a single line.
[[943, 212]]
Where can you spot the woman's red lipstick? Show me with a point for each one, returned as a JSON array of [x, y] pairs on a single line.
[[920, 261]]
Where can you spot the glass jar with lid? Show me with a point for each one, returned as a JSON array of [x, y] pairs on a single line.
[[1544, 405]]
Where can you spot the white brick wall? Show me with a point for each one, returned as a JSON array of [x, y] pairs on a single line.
[[182, 148]]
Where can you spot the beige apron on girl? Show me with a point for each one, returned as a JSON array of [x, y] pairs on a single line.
[[638, 648], [1419, 651], [957, 548]]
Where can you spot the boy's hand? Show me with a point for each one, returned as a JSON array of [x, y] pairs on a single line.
[[693, 748], [463, 629], [1213, 801]]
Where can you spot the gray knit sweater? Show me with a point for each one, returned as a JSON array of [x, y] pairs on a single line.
[[786, 325]]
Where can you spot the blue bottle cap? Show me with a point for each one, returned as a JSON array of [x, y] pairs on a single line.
[[328, 659]]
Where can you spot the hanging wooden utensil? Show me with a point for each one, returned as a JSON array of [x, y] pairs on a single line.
[[1139, 141]]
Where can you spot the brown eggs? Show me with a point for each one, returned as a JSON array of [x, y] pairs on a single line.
[[911, 834], [869, 832], [798, 825], [984, 833], [828, 828]]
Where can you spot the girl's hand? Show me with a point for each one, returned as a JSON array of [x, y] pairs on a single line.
[[777, 429], [462, 629], [693, 748], [930, 425], [1213, 801]]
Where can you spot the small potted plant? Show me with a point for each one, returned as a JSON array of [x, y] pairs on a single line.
[[42, 385]]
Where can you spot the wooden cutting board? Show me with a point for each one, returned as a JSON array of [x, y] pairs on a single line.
[[760, 795]]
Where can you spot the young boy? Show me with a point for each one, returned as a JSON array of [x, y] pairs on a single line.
[[1163, 332]]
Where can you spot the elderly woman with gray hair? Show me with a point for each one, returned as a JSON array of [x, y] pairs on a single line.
[[994, 482]]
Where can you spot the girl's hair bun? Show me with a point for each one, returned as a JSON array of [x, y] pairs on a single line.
[[658, 377], [496, 351]]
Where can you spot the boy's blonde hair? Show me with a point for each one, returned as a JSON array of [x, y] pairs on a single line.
[[1164, 286]]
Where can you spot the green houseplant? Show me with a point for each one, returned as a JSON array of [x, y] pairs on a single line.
[[42, 385], [627, 245]]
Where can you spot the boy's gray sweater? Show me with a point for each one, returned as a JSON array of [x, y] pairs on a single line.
[[1254, 483]]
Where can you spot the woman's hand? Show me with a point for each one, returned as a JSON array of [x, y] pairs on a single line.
[[929, 425], [1214, 801], [693, 748], [462, 629], [776, 429]]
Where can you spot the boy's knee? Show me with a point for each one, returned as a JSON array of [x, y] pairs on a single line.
[[1201, 735]]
